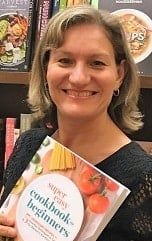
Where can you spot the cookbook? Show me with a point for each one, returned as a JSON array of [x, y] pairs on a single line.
[[136, 18], [62, 197]]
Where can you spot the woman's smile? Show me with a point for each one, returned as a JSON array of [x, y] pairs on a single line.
[[82, 73], [79, 93]]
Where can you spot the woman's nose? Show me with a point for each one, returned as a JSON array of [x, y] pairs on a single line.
[[79, 75]]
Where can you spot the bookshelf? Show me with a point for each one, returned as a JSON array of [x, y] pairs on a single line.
[[146, 82], [13, 99], [23, 78], [13, 94], [14, 77]]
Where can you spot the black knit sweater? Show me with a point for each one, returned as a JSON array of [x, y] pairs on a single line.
[[130, 165]]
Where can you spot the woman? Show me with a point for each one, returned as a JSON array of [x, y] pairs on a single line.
[[83, 76]]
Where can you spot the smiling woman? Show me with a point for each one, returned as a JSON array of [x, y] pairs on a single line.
[[53, 43], [84, 74], [85, 80]]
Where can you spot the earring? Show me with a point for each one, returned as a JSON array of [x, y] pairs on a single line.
[[116, 92]]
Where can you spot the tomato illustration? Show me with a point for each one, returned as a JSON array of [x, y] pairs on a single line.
[[98, 203], [111, 185], [90, 181]]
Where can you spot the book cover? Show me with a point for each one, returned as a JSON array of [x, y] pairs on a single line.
[[26, 120], [77, 2], [62, 4], [16, 24], [62, 197], [9, 137], [2, 148], [55, 6], [44, 14], [136, 18]]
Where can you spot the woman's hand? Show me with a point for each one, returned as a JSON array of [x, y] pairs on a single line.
[[7, 228]]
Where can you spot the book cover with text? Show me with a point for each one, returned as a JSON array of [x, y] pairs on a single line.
[[136, 18], [17, 20], [62, 197]]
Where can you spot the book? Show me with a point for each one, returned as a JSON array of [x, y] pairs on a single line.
[[77, 2], [2, 148], [62, 4], [26, 120], [9, 137], [17, 27], [55, 6], [16, 134], [44, 14], [136, 18], [62, 197]]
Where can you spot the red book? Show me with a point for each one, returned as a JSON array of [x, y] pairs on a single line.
[[44, 14], [9, 138]]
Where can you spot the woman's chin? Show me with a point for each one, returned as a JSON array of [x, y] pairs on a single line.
[[74, 115]]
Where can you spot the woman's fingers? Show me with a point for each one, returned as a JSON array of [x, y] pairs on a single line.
[[7, 227]]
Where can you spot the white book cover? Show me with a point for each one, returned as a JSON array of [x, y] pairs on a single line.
[[62, 197]]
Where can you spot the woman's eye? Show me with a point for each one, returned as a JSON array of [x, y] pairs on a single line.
[[65, 61], [97, 64]]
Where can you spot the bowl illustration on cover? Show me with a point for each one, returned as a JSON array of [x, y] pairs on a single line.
[[138, 28], [13, 35]]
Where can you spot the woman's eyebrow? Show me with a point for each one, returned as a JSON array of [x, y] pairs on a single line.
[[92, 55]]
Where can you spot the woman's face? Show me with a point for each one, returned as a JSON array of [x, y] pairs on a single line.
[[82, 74]]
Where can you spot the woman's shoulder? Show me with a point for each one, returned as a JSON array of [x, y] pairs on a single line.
[[29, 141], [27, 144], [134, 155], [129, 165], [24, 149], [34, 134], [132, 167]]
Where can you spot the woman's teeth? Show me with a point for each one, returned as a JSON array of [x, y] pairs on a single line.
[[83, 93]]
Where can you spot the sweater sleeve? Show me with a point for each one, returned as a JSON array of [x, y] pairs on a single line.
[[132, 167], [140, 205], [24, 149], [133, 220]]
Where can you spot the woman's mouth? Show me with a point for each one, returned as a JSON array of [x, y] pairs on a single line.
[[79, 93]]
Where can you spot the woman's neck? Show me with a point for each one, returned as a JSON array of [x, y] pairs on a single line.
[[91, 140], [73, 131]]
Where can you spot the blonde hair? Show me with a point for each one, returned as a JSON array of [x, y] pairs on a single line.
[[123, 109]]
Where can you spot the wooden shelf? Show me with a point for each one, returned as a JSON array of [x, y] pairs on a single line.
[[146, 82], [23, 78], [146, 145], [14, 77]]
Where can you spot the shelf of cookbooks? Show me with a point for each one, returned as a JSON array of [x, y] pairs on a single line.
[[17, 49]]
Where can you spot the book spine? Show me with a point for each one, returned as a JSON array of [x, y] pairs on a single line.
[[16, 134], [30, 34], [25, 122], [95, 3], [70, 3], [63, 4], [55, 6], [44, 14], [9, 138], [2, 148]]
